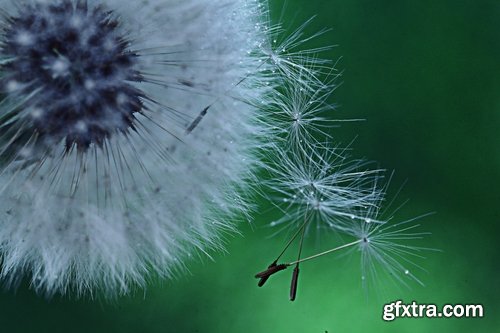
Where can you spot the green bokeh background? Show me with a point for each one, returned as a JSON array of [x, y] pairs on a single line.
[[426, 77]]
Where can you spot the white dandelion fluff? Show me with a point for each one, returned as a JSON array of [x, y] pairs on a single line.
[[388, 251], [319, 187], [100, 186], [291, 57], [324, 185], [385, 250], [298, 111]]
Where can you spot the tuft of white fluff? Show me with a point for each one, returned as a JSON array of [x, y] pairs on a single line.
[[388, 249], [324, 187], [107, 212]]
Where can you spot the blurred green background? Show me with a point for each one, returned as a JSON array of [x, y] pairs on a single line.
[[426, 77]]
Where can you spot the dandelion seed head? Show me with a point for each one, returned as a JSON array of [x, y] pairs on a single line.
[[100, 186]]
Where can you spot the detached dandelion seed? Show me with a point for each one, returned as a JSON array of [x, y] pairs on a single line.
[[384, 249], [298, 111], [388, 251], [323, 183]]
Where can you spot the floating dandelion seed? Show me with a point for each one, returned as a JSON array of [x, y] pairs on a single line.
[[292, 60], [298, 111], [388, 250], [385, 249], [323, 184], [99, 185]]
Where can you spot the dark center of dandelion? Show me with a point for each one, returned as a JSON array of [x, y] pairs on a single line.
[[71, 67]]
